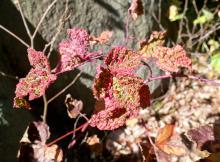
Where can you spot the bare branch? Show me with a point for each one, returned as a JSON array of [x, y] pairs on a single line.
[[211, 31], [14, 35], [8, 76], [64, 89], [64, 17], [181, 22], [42, 18], [45, 108], [24, 20]]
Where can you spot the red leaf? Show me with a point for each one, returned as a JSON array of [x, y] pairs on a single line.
[[121, 59], [74, 51], [37, 80]]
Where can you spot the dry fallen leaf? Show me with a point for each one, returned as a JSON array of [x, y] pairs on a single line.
[[201, 135], [54, 153], [102, 39], [94, 144], [74, 107], [170, 143], [148, 47], [164, 134], [136, 9], [39, 153]]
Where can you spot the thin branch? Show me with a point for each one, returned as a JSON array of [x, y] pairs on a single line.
[[62, 19], [214, 29], [43, 17], [150, 75], [8, 76], [142, 152], [64, 89], [159, 12], [24, 20], [213, 82], [181, 22], [15, 36], [127, 25], [45, 108], [76, 122], [67, 134], [155, 18], [150, 140]]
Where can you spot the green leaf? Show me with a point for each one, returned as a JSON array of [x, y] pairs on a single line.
[[208, 15], [214, 45], [177, 17], [215, 62], [205, 17]]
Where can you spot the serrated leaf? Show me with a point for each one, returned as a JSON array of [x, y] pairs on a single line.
[[205, 17], [177, 17], [214, 45], [148, 47], [174, 14]]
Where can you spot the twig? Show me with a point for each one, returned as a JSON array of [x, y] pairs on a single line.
[[142, 153], [75, 125], [62, 19], [24, 20], [45, 108], [67, 134], [155, 18], [42, 19], [159, 12], [213, 82], [214, 29], [181, 22], [150, 75], [9, 76], [127, 26], [150, 140], [15, 36], [64, 89]]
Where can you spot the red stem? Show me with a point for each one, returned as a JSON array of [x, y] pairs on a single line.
[[213, 82], [67, 134]]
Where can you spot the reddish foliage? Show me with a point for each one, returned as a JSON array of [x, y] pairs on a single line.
[[74, 51], [123, 95], [37, 80], [38, 60], [202, 135], [120, 58], [148, 47], [102, 83], [130, 91], [167, 59], [112, 117]]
